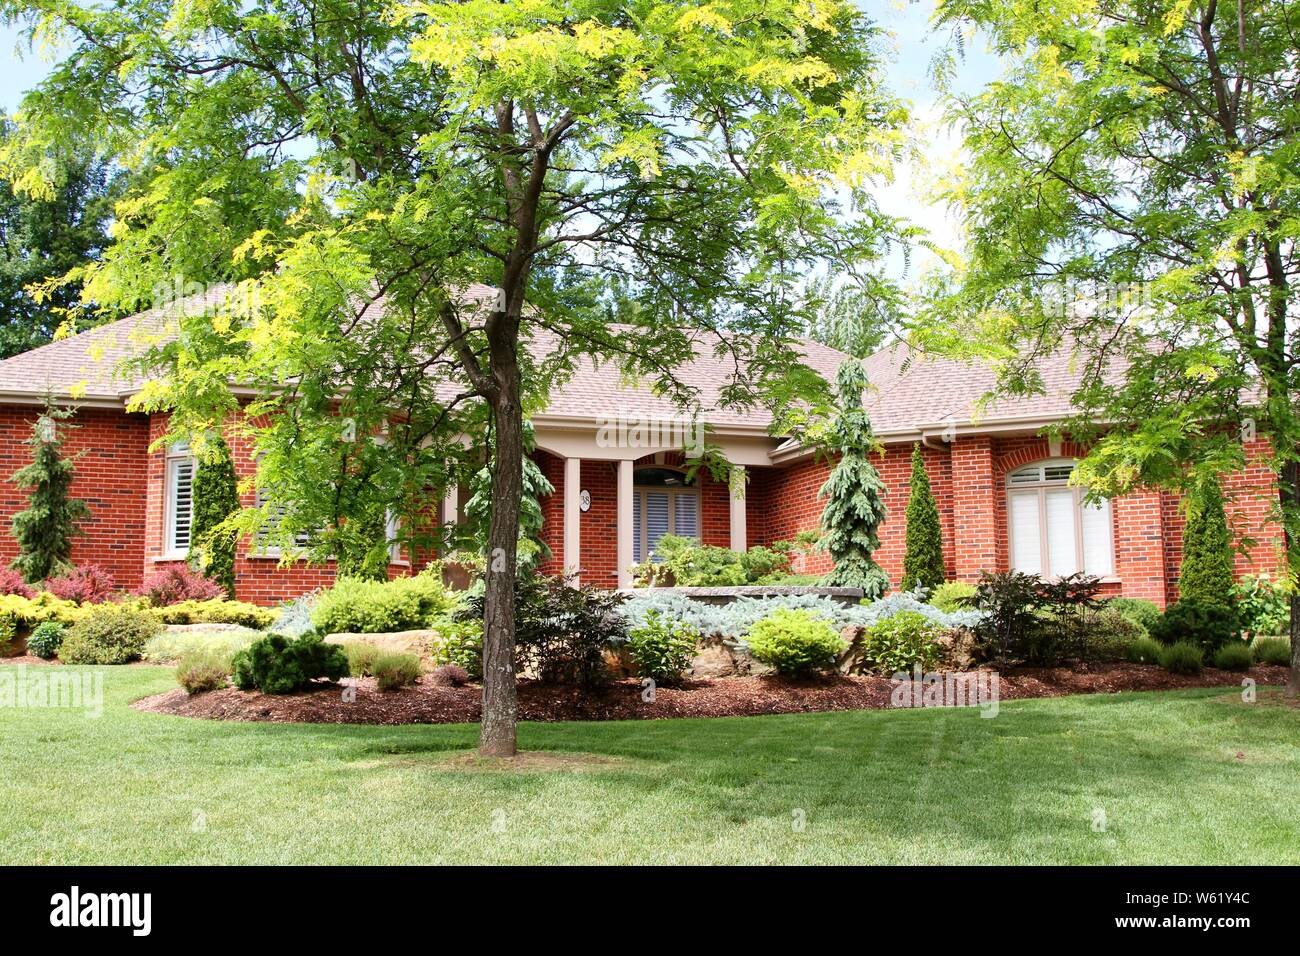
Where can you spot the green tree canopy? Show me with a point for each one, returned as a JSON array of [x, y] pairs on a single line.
[[359, 167], [42, 239], [854, 492], [1133, 197], [923, 544]]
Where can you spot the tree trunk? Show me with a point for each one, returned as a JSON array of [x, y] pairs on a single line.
[[1289, 491], [500, 701]]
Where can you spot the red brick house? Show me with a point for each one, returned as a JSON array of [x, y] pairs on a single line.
[[612, 452]]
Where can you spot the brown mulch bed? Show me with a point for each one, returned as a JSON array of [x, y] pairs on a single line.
[[724, 697]]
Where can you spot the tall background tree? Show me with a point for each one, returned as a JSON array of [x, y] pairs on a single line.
[[852, 319], [854, 492], [216, 501], [923, 541], [359, 166], [1133, 196], [44, 238], [45, 528]]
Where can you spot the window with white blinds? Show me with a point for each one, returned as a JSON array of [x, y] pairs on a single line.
[[667, 506], [1052, 530], [180, 499], [265, 543]]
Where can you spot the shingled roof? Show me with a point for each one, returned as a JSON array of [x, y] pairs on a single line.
[[911, 394]]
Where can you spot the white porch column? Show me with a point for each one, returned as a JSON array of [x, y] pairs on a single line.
[[625, 525], [739, 532], [572, 515], [451, 505]]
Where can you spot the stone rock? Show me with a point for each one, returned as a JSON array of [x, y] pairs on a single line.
[[957, 648], [399, 642], [619, 662], [853, 658], [713, 660]]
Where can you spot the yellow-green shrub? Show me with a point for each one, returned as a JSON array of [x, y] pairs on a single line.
[[795, 642], [357, 606], [216, 611]]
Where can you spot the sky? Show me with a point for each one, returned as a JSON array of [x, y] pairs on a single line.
[[914, 46]]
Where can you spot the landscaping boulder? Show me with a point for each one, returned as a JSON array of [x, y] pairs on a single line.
[[852, 659], [957, 648], [712, 660]]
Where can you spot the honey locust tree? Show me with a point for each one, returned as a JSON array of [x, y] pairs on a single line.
[[1133, 195], [365, 169]]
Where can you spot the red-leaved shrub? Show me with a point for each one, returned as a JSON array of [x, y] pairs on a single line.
[[11, 582], [177, 583], [85, 584]]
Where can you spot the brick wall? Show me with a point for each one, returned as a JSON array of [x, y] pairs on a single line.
[[109, 448]]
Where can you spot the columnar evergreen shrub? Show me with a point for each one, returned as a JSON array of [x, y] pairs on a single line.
[[854, 494], [1206, 573], [44, 529], [923, 551], [216, 498]]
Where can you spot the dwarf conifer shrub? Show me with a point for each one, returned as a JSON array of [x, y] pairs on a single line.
[[278, 665], [1208, 624]]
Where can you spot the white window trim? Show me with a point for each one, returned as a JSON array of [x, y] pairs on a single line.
[[176, 455], [1039, 489]]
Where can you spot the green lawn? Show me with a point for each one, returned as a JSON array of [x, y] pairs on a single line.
[[874, 787]]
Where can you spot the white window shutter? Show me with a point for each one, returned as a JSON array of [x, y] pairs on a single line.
[[1062, 556], [182, 502], [1098, 553], [686, 516], [1026, 541]]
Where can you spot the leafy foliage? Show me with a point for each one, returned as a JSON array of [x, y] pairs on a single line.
[[562, 631], [1208, 625], [177, 583], [662, 648], [216, 499], [1264, 607], [109, 635], [46, 639], [684, 562], [899, 643], [459, 643], [84, 584], [1032, 620], [11, 582], [44, 529], [277, 665], [43, 238], [1138, 610], [216, 611], [854, 494], [533, 549], [449, 675], [923, 544], [953, 595], [1206, 572], [359, 606], [797, 643]]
